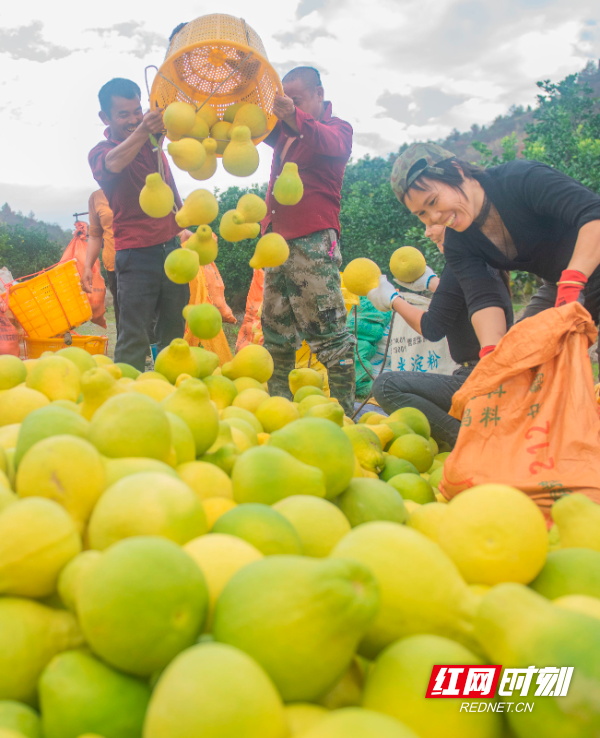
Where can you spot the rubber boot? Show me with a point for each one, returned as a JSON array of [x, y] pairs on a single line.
[[284, 361], [342, 381]]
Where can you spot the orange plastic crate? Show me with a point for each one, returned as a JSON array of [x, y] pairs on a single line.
[[50, 303], [35, 347]]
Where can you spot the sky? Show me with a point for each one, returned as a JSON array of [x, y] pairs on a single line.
[[397, 70]]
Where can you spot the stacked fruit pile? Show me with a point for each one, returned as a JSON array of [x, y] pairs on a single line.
[[183, 555]]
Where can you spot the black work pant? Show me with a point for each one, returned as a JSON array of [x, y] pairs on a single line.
[[111, 281], [429, 393], [145, 293]]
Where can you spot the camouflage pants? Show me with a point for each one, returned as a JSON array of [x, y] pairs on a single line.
[[303, 298]]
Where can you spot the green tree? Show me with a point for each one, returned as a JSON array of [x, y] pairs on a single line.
[[26, 251]]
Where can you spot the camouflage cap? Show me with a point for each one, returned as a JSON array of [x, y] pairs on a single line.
[[417, 159]]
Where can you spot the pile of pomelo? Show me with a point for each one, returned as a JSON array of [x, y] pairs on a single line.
[[184, 556]]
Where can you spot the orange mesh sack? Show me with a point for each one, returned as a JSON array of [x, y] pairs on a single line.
[[253, 304], [528, 412], [216, 291], [77, 250]]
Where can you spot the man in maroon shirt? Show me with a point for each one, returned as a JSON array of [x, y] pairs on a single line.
[[303, 297], [120, 166]]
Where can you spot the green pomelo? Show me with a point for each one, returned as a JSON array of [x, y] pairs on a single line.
[[355, 722], [319, 443], [128, 371], [569, 571], [20, 717], [146, 504], [290, 612], [415, 419], [80, 694], [394, 465], [191, 402], [243, 425], [265, 528], [306, 391], [319, 523], [268, 474], [80, 357], [365, 500], [176, 359], [72, 575], [141, 603], [239, 412], [222, 390], [218, 691], [48, 421], [436, 477], [131, 424], [204, 321], [182, 438], [413, 487], [207, 361], [414, 448], [397, 684]]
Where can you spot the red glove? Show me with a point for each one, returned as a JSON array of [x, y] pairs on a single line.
[[569, 286], [485, 351]]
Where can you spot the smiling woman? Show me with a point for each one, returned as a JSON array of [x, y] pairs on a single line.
[[520, 215]]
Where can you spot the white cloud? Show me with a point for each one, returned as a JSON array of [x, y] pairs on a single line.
[[398, 70]]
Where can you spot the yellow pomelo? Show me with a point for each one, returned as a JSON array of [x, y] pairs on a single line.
[[355, 722], [66, 469], [179, 118], [203, 243], [56, 377], [230, 112], [253, 117], [209, 167], [250, 399], [428, 519], [407, 264], [251, 208], [182, 438], [156, 197], [30, 636], [347, 692], [208, 362], [220, 133], [29, 364], [413, 487], [267, 474], [366, 446], [578, 520], [191, 402], [97, 386], [52, 420], [146, 504], [182, 265], [18, 402], [9, 437], [252, 361], [79, 693], [187, 154], [207, 113], [266, 529], [16, 716], [397, 684], [222, 391], [148, 376], [414, 448], [200, 208], [219, 557], [244, 426], [214, 689], [37, 538], [384, 432], [263, 438], [204, 320], [241, 439], [12, 372], [240, 156], [421, 588], [288, 188], [214, 507], [200, 130], [141, 603], [365, 500], [175, 359], [302, 716], [67, 405], [102, 359], [310, 401], [154, 388], [494, 533], [361, 276], [580, 603], [276, 412], [206, 480], [7, 496], [242, 383], [242, 414], [233, 231], [116, 469], [319, 443], [319, 523], [72, 575], [132, 425], [307, 390], [271, 251]]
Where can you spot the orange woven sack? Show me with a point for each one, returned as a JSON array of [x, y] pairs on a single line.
[[528, 413], [216, 290], [253, 303], [76, 250]]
